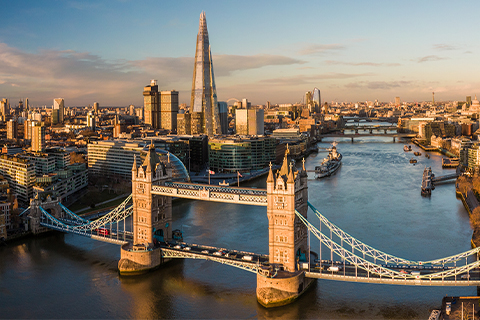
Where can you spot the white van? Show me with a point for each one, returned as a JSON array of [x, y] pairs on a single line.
[[334, 268]]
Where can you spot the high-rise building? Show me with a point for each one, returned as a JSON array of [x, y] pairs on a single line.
[[204, 108], [131, 110], [397, 101], [184, 123], [20, 107], [27, 127], [151, 101], [26, 105], [58, 111], [223, 114], [169, 110], [4, 108], [249, 121], [317, 101], [95, 108], [91, 120], [38, 137], [12, 129]]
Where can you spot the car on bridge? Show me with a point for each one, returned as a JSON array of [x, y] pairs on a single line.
[[220, 252]]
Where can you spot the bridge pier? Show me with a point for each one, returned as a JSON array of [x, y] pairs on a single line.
[[393, 139], [138, 259], [282, 289]]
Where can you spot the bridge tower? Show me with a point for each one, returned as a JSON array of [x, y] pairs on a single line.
[[152, 216], [287, 192], [51, 205]]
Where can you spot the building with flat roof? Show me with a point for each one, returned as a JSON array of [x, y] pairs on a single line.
[[249, 122], [20, 174], [168, 110], [115, 159], [241, 154], [151, 105]]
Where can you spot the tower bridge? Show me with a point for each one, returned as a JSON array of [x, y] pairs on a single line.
[[142, 226]]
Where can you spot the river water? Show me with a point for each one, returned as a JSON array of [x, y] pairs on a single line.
[[375, 196]]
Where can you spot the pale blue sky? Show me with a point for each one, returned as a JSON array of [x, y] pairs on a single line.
[[106, 51]]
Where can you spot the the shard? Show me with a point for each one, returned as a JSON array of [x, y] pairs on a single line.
[[203, 105]]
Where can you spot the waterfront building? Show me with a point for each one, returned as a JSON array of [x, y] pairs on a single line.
[[58, 111], [168, 110], [203, 103], [249, 121], [473, 157], [62, 183], [289, 133], [38, 137], [241, 154], [20, 174], [115, 159], [151, 98], [439, 129], [12, 129]]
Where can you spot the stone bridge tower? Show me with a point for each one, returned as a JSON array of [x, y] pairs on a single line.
[[287, 191], [284, 280], [152, 216], [50, 205]]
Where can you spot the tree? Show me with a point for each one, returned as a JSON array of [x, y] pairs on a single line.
[[76, 158]]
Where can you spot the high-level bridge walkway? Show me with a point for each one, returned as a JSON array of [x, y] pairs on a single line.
[[350, 259]]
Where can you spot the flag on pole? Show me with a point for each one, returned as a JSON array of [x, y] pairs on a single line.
[[239, 174], [211, 172]]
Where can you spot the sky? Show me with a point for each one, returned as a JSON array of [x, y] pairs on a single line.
[[107, 51]]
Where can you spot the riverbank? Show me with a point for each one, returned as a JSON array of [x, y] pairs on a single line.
[[465, 190]]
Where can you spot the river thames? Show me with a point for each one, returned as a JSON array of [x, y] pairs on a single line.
[[375, 196]]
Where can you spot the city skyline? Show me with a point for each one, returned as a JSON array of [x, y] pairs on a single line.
[[94, 51]]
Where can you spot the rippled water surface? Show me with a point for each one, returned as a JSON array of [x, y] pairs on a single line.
[[375, 196]]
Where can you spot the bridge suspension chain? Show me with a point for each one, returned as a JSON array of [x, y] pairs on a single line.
[[78, 224], [377, 269], [379, 255]]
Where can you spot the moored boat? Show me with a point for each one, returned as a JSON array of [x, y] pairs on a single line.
[[330, 164], [407, 148], [412, 160]]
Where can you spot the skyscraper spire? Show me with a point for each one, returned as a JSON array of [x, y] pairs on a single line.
[[203, 104]]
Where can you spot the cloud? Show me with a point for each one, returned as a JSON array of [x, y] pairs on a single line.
[[302, 79], [82, 77], [369, 64], [430, 58], [321, 48], [443, 46], [376, 85]]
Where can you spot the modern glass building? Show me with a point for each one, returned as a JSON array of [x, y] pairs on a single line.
[[240, 154], [115, 158], [204, 108]]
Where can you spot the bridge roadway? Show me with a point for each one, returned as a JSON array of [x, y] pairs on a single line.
[[358, 135], [318, 270], [195, 191]]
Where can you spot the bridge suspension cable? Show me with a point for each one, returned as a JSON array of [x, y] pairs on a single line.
[[382, 256], [78, 224], [384, 270]]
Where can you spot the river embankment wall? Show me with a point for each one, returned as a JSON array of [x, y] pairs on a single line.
[[465, 191]]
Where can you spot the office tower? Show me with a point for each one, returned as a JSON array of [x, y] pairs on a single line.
[[38, 137], [433, 98], [27, 127], [20, 107], [397, 101], [4, 108], [184, 123], [246, 104], [204, 108], [469, 101], [223, 114], [151, 98], [58, 111], [131, 110], [309, 100], [249, 121], [169, 110], [317, 100], [12, 129], [26, 105], [91, 120], [95, 108]]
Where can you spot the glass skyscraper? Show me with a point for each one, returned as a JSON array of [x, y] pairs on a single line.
[[203, 106]]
